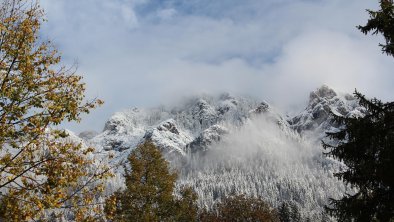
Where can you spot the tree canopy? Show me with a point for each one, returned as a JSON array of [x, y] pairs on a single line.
[[149, 193], [382, 22], [366, 146], [241, 208], [42, 172]]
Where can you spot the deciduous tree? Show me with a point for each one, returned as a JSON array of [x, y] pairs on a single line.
[[41, 171], [241, 208]]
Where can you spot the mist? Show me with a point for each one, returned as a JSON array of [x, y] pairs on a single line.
[[263, 159], [145, 52]]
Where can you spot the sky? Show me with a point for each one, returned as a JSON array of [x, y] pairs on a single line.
[[144, 53]]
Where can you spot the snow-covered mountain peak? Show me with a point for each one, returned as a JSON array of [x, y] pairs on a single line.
[[263, 107], [317, 115], [169, 137], [207, 137], [120, 121], [231, 144], [200, 120], [323, 92]]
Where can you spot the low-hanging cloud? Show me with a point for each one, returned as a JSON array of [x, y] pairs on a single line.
[[262, 159], [147, 52]]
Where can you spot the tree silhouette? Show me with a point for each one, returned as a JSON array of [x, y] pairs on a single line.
[[382, 21], [366, 146]]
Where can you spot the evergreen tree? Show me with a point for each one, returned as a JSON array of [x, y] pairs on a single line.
[[289, 212], [366, 146], [284, 212], [295, 213], [382, 21], [149, 193]]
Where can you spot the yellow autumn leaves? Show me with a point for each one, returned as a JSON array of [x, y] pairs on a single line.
[[42, 175]]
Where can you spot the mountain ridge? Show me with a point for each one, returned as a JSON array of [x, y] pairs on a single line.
[[188, 122], [225, 144]]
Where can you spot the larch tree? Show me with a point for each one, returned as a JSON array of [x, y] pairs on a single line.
[[42, 172], [149, 193]]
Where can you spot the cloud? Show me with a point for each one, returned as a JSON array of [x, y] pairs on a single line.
[[166, 13], [260, 159], [336, 59], [147, 52]]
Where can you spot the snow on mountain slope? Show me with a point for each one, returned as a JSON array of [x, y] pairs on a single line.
[[259, 159], [207, 137], [124, 130], [316, 116], [177, 129], [230, 144], [169, 137]]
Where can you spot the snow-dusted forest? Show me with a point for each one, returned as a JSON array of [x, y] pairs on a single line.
[[224, 144]]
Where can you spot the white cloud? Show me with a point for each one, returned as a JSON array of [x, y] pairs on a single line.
[[137, 53], [166, 13], [129, 16], [332, 58]]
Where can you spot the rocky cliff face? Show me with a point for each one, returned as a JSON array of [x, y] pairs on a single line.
[[316, 116], [232, 144], [199, 122], [191, 126]]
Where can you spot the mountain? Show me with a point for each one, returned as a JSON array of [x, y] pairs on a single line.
[[175, 129], [316, 117], [229, 144]]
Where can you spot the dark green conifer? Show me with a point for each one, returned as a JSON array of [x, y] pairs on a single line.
[[382, 21], [366, 146], [289, 212], [285, 212]]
